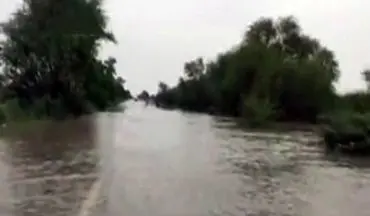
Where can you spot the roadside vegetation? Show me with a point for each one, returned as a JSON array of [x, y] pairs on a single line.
[[276, 73], [50, 65]]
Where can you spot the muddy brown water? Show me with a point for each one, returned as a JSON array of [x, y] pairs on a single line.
[[171, 163], [48, 168]]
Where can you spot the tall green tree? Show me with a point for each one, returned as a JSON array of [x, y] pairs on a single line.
[[50, 54]]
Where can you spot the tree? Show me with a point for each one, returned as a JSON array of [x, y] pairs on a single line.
[[366, 76], [163, 87], [194, 69], [275, 64], [144, 95], [50, 54]]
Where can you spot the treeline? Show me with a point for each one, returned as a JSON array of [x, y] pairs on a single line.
[[49, 60], [275, 73]]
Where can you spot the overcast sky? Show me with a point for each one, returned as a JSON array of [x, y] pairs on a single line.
[[157, 37]]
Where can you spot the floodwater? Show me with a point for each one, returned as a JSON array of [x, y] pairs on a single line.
[[48, 168], [170, 163]]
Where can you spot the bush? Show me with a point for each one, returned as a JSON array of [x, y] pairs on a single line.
[[258, 111], [358, 102], [346, 127], [12, 111], [2, 114]]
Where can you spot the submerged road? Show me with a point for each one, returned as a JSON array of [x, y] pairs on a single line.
[[170, 163], [145, 161]]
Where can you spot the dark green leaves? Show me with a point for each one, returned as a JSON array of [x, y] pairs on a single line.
[[275, 65], [50, 54]]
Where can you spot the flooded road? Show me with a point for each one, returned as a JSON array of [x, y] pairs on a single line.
[[147, 161], [50, 168], [178, 164]]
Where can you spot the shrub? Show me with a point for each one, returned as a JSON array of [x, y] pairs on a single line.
[[258, 111], [12, 111]]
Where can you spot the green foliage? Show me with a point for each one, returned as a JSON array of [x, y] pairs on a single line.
[[258, 111], [358, 102], [349, 129], [12, 111], [50, 62], [344, 121], [194, 69], [293, 72]]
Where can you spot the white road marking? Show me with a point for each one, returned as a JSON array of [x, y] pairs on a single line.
[[54, 177], [91, 199]]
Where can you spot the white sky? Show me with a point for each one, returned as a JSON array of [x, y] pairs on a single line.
[[157, 37]]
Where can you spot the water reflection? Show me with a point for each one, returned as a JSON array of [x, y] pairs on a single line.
[[52, 165]]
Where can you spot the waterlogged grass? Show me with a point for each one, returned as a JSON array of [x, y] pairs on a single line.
[[347, 128], [11, 111], [347, 122], [117, 108], [258, 112]]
